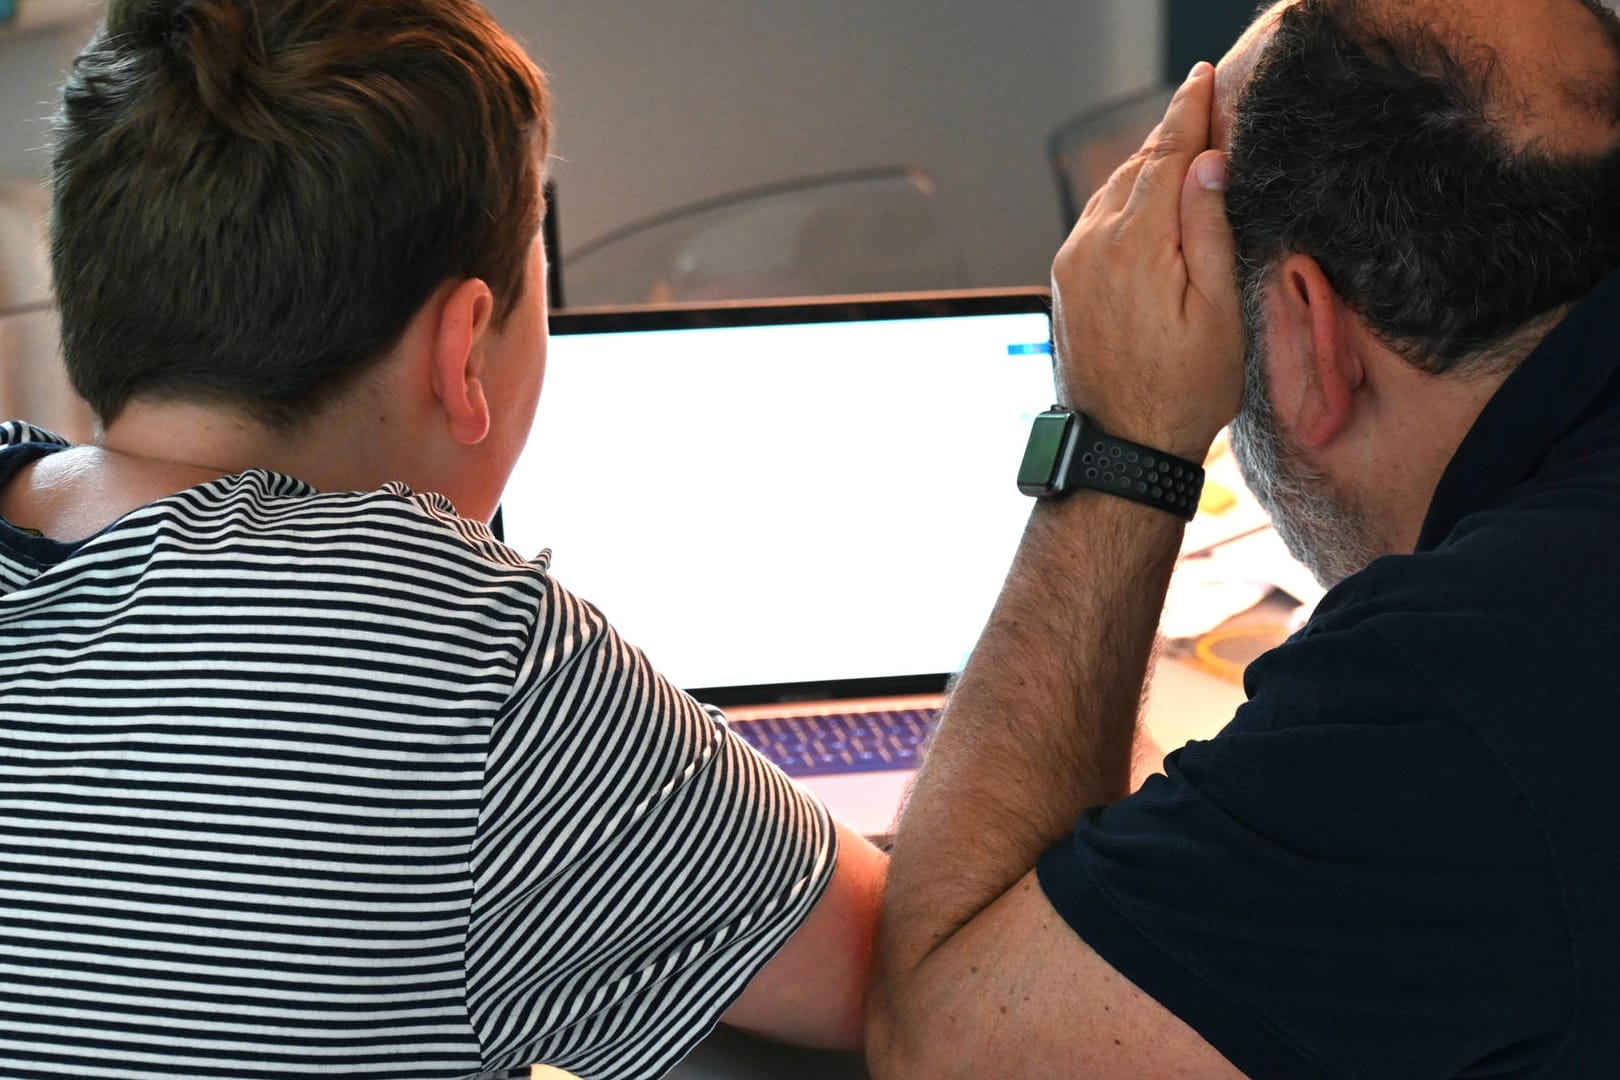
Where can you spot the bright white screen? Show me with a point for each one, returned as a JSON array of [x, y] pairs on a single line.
[[783, 504]]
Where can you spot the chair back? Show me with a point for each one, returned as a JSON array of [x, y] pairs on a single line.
[[862, 232], [1085, 150]]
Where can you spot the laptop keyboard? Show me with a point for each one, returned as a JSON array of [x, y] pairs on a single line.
[[840, 742]]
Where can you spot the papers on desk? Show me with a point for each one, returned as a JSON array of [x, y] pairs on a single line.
[[1231, 557], [1202, 596]]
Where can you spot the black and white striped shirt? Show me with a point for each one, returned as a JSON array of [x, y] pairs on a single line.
[[297, 784]]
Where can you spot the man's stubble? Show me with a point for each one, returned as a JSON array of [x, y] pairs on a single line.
[[1321, 527]]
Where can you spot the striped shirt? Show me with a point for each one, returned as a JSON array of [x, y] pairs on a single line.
[[334, 784]]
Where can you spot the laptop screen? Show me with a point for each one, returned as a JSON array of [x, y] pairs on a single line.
[[782, 495]]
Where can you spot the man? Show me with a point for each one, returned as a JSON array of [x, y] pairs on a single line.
[[1398, 859], [304, 773]]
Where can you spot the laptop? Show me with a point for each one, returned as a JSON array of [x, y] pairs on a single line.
[[800, 511]]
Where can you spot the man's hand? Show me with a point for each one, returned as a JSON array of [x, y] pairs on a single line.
[[977, 974], [1148, 328]]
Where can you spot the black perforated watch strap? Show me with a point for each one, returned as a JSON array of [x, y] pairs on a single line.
[[1104, 463], [1067, 451]]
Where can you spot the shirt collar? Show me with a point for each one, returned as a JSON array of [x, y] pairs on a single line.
[[1536, 406], [38, 550]]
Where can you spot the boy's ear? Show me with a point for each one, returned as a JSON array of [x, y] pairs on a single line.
[[458, 360], [1311, 318]]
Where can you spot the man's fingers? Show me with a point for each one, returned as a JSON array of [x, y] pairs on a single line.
[[1181, 136], [1113, 195], [1207, 243]]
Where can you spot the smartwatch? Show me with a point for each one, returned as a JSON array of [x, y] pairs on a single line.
[[1068, 452]]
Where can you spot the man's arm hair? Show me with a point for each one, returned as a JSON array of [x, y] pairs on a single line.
[[977, 974]]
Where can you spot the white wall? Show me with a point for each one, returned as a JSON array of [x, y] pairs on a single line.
[[32, 66], [661, 104]]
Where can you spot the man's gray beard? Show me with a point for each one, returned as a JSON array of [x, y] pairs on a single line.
[[1321, 528]]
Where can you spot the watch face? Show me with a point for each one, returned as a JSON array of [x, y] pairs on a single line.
[[1043, 456]]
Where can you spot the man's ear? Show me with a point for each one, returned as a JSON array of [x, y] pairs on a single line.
[[1313, 322], [458, 360]]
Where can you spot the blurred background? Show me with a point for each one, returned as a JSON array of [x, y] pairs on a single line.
[[874, 144]]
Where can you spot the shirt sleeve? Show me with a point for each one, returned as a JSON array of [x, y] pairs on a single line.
[[1347, 882], [636, 865]]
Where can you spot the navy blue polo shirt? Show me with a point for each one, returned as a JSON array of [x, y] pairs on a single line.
[[1402, 856]]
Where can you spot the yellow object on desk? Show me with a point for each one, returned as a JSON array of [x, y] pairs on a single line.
[[1216, 499], [546, 1072]]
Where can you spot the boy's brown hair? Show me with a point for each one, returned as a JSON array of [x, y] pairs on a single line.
[[251, 198]]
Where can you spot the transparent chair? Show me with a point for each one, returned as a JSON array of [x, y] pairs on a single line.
[[1085, 150], [860, 232]]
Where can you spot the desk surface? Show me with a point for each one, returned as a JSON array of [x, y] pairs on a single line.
[[1186, 702]]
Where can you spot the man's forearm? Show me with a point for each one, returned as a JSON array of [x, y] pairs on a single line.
[[975, 973], [1040, 724]]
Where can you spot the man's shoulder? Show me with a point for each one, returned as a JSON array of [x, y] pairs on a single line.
[[1531, 580], [1503, 636], [1520, 605]]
